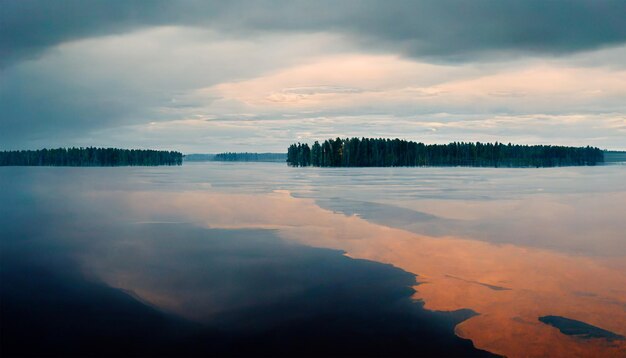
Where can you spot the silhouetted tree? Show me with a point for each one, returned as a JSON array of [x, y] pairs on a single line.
[[89, 157], [369, 152]]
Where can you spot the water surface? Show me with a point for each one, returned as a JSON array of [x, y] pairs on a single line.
[[260, 258]]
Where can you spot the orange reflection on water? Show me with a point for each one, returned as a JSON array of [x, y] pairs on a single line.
[[509, 286]]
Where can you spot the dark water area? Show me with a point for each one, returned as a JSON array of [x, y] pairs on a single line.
[[195, 291], [583, 330]]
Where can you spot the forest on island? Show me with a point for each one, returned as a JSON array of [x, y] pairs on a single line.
[[90, 157], [381, 152]]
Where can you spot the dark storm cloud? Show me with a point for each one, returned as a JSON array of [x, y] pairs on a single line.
[[438, 29]]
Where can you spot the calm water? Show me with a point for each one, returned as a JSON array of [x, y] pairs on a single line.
[[263, 259]]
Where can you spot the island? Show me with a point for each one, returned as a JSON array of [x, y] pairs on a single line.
[[90, 157], [382, 152]]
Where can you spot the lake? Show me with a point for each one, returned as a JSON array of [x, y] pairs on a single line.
[[264, 259]]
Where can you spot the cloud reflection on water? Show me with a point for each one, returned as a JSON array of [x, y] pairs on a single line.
[[541, 282], [457, 269]]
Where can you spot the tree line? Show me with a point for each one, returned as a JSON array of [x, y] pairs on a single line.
[[90, 157], [249, 157], [382, 152]]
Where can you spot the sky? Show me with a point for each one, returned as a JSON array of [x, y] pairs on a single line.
[[213, 76]]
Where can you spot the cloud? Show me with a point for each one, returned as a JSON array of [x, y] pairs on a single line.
[[212, 76], [370, 84], [444, 30], [603, 130], [140, 77], [193, 90], [299, 94]]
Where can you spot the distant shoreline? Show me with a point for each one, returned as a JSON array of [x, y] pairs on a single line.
[[90, 157], [385, 152], [114, 157], [237, 157]]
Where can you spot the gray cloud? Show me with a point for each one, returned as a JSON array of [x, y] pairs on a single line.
[[445, 30], [139, 77], [114, 73]]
